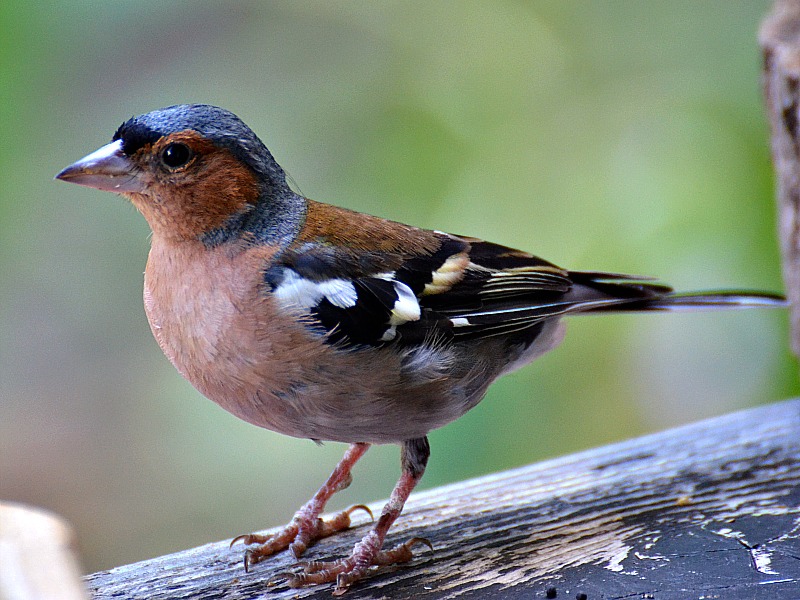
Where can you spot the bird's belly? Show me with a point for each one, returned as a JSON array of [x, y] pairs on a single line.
[[241, 350], [303, 389]]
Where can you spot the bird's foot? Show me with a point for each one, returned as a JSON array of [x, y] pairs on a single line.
[[303, 531], [366, 554]]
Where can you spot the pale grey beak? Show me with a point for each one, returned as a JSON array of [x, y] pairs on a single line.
[[105, 169]]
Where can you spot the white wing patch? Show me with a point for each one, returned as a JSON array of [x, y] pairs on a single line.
[[299, 292], [406, 308]]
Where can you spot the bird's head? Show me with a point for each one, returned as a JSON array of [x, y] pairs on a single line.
[[190, 169]]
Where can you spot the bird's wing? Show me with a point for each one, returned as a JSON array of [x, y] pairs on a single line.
[[447, 287]]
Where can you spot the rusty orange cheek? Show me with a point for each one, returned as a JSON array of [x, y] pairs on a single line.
[[201, 196]]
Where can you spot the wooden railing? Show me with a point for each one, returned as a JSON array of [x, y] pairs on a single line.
[[708, 510]]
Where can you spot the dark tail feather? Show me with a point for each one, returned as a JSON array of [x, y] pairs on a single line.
[[694, 301]]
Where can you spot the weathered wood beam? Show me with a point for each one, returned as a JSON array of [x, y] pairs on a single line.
[[709, 508]]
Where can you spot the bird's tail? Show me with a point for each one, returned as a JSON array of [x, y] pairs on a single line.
[[623, 293], [694, 301]]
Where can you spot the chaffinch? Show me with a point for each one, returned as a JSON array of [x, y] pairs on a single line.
[[319, 322]]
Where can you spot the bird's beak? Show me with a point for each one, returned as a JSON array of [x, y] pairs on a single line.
[[105, 169]]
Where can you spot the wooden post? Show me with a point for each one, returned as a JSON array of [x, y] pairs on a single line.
[[707, 510], [780, 43], [37, 557]]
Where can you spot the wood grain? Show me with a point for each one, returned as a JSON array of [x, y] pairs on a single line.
[[708, 510]]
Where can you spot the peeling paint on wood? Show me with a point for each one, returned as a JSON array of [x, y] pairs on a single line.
[[709, 510]]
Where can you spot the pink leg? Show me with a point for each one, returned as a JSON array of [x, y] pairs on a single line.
[[306, 527], [367, 553]]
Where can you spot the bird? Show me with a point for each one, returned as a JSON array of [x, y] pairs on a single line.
[[319, 322]]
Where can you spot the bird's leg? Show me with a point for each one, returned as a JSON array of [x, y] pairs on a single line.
[[367, 553], [306, 527]]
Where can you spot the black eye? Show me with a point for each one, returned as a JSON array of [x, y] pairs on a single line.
[[176, 155]]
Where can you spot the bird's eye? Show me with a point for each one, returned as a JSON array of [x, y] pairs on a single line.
[[176, 155]]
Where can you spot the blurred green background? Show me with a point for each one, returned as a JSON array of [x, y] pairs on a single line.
[[620, 135]]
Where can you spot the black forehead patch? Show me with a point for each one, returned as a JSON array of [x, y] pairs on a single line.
[[135, 135]]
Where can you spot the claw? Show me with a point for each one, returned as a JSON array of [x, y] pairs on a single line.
[[252, 557], [250, 538], [419, 540], [346, 579], [342, 584], [247, 561], [363, 507]]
